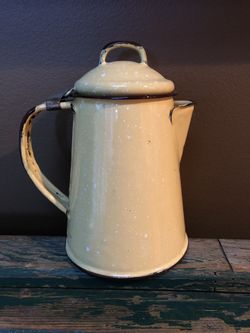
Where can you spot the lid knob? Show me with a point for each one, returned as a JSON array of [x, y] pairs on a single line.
[[115, 45]]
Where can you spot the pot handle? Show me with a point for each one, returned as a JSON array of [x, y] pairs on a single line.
[[51, 192], [115, 45]]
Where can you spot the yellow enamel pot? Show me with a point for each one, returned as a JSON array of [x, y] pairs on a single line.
[[125, 212]]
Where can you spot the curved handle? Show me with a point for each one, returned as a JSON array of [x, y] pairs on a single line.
[[115, 45], [52, 193]]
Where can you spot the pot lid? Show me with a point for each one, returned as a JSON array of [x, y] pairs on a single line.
[[123, 79]]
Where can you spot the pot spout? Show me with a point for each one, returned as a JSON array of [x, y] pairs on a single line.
[[180, 117]]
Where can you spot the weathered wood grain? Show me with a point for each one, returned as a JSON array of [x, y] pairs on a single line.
[[113, 310], [59, 297], [35, 330], [42, 262], [237, 252]]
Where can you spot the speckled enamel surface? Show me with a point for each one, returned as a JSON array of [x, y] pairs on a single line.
[[125, 208], [125, 213], [123, 78], [120, 78]]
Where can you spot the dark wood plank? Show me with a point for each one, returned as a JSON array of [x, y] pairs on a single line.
[[113, 310], [35, 330], [237, 252], [234, 283], [42, 262]]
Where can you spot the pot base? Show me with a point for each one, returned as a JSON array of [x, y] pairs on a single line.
[[128, 275]]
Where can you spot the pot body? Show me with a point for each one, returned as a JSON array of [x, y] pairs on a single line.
[[125, 216]]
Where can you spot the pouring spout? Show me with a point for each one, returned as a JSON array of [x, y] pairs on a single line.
[[180, 117]]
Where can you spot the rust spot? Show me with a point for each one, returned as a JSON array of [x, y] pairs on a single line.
[[149, 141]]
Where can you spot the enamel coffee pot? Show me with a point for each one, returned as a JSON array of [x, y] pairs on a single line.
[[125, 212]]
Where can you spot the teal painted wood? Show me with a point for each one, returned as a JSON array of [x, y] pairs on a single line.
[[42, 291], [27, 330], [42, 262], [113, 310]]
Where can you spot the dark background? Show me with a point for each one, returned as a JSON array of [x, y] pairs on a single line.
[[203, 46]]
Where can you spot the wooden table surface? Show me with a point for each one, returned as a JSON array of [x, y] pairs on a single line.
[[42, 291]]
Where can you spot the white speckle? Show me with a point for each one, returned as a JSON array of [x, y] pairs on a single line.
[[103, 74], [105, 240], [113, 265], [145, 235], [116, 231], [134, 216], [123, 120], [87, 248], [147, 216], [117, 224], [99, 107], [116, 110], [97, 252], [129, 137]]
